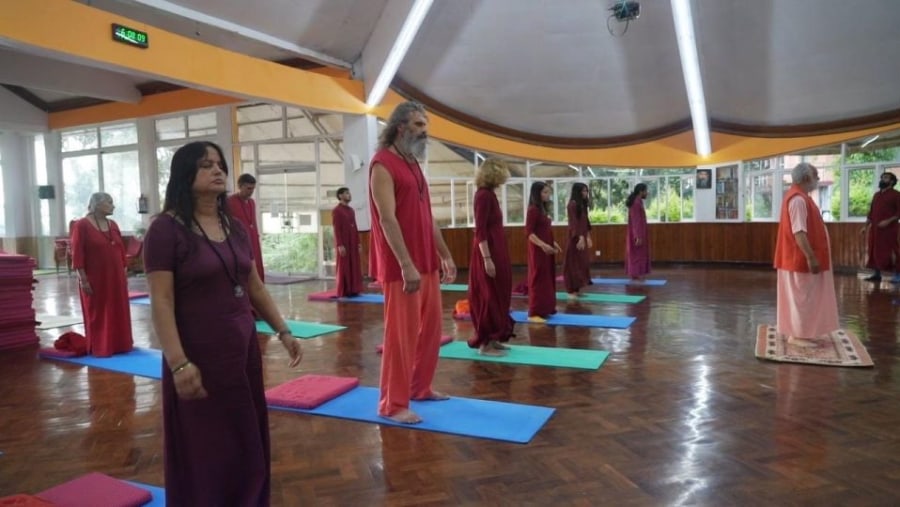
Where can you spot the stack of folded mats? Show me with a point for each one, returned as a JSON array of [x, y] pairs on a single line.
[[17, 318]]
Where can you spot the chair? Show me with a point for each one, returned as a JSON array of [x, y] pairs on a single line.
[[62, 254], [134, 260]]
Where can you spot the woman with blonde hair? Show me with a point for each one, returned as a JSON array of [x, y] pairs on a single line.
[[490, 269]]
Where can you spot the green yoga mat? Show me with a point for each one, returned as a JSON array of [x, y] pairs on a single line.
[[454, 287], [587, 297], [302, 329], [534, 356]]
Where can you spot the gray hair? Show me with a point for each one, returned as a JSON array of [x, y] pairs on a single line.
[[800, 171], [98, 198], [399, 117]]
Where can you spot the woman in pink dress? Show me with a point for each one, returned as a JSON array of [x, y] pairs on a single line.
[[98, 256], [542, 250], [637, 240]]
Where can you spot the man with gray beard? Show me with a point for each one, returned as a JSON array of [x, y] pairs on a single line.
[[410, 253]]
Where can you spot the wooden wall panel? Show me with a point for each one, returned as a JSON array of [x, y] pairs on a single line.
[[752, 243]]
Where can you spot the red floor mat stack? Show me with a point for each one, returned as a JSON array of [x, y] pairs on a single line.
[[16, 301]]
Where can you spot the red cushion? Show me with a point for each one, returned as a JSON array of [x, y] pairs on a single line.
[[309, 391], [322, 296], [95, 489]]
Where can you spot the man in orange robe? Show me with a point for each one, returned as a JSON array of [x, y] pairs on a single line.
[[806, 302]]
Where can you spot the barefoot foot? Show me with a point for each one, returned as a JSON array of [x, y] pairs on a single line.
[[404, 417], [537, 319], [488, 350], [433, 396], [499, 346]]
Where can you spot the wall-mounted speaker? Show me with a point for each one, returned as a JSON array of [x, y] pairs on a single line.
[[46, 192]]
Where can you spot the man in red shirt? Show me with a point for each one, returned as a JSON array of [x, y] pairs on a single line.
[[346, 243], [243, 209], [408, 244], [882, 229]]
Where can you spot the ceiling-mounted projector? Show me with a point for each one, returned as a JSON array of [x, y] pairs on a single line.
[[626, 10]]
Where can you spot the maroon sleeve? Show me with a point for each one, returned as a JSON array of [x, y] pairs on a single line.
[[77, 244], [531, 219], [160, 244], [483, 211]]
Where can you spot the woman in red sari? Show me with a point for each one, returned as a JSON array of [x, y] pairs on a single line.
[[490, 268], [98, 256], [542, 250], [577, 264]]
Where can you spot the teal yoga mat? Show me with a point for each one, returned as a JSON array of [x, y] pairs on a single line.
[[528, 355], [578, 320], [495, 420], [454, 287], [302, 329]]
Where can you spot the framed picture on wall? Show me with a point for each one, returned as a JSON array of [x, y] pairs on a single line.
[[704, 178]]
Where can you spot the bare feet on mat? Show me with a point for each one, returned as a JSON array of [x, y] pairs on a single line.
[[404, 417], [433, 396], [488, 350], [573, 296], [537, 319], [499, 346], [805, 343]]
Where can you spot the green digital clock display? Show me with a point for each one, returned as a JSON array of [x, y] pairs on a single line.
[[130, 36]]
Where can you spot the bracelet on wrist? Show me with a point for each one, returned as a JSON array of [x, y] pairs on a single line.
[[284, 332], [181, 366]]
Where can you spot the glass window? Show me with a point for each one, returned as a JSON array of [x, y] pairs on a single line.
[[301, 127], [862, 186], [259, 112], [40, 166], [120, 172], [202, 124], [261, 131], [170, 128], [82, 139], [81, 177], [515, 202], [760, 205], [118, 135], [545, 170], [442, 208], [286, 154], [163, 169]]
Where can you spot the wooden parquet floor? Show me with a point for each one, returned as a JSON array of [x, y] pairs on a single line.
[[682, 413]]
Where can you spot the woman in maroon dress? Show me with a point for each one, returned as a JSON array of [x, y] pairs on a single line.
[[637, 238], [490, 269], [577, 264], [98, 256], [542, 250], [203, 280]]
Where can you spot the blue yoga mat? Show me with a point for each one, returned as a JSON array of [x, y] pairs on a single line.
[[495, 420], [626, 281], [159, 494], [143, 300], [363, 298], [141, 362], [578, 320]]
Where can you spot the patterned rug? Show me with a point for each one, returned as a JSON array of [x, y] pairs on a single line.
[[840, 348]]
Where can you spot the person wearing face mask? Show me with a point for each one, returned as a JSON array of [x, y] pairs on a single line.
[[410, 254], [884, 254], [98, 256], [806, 303]]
